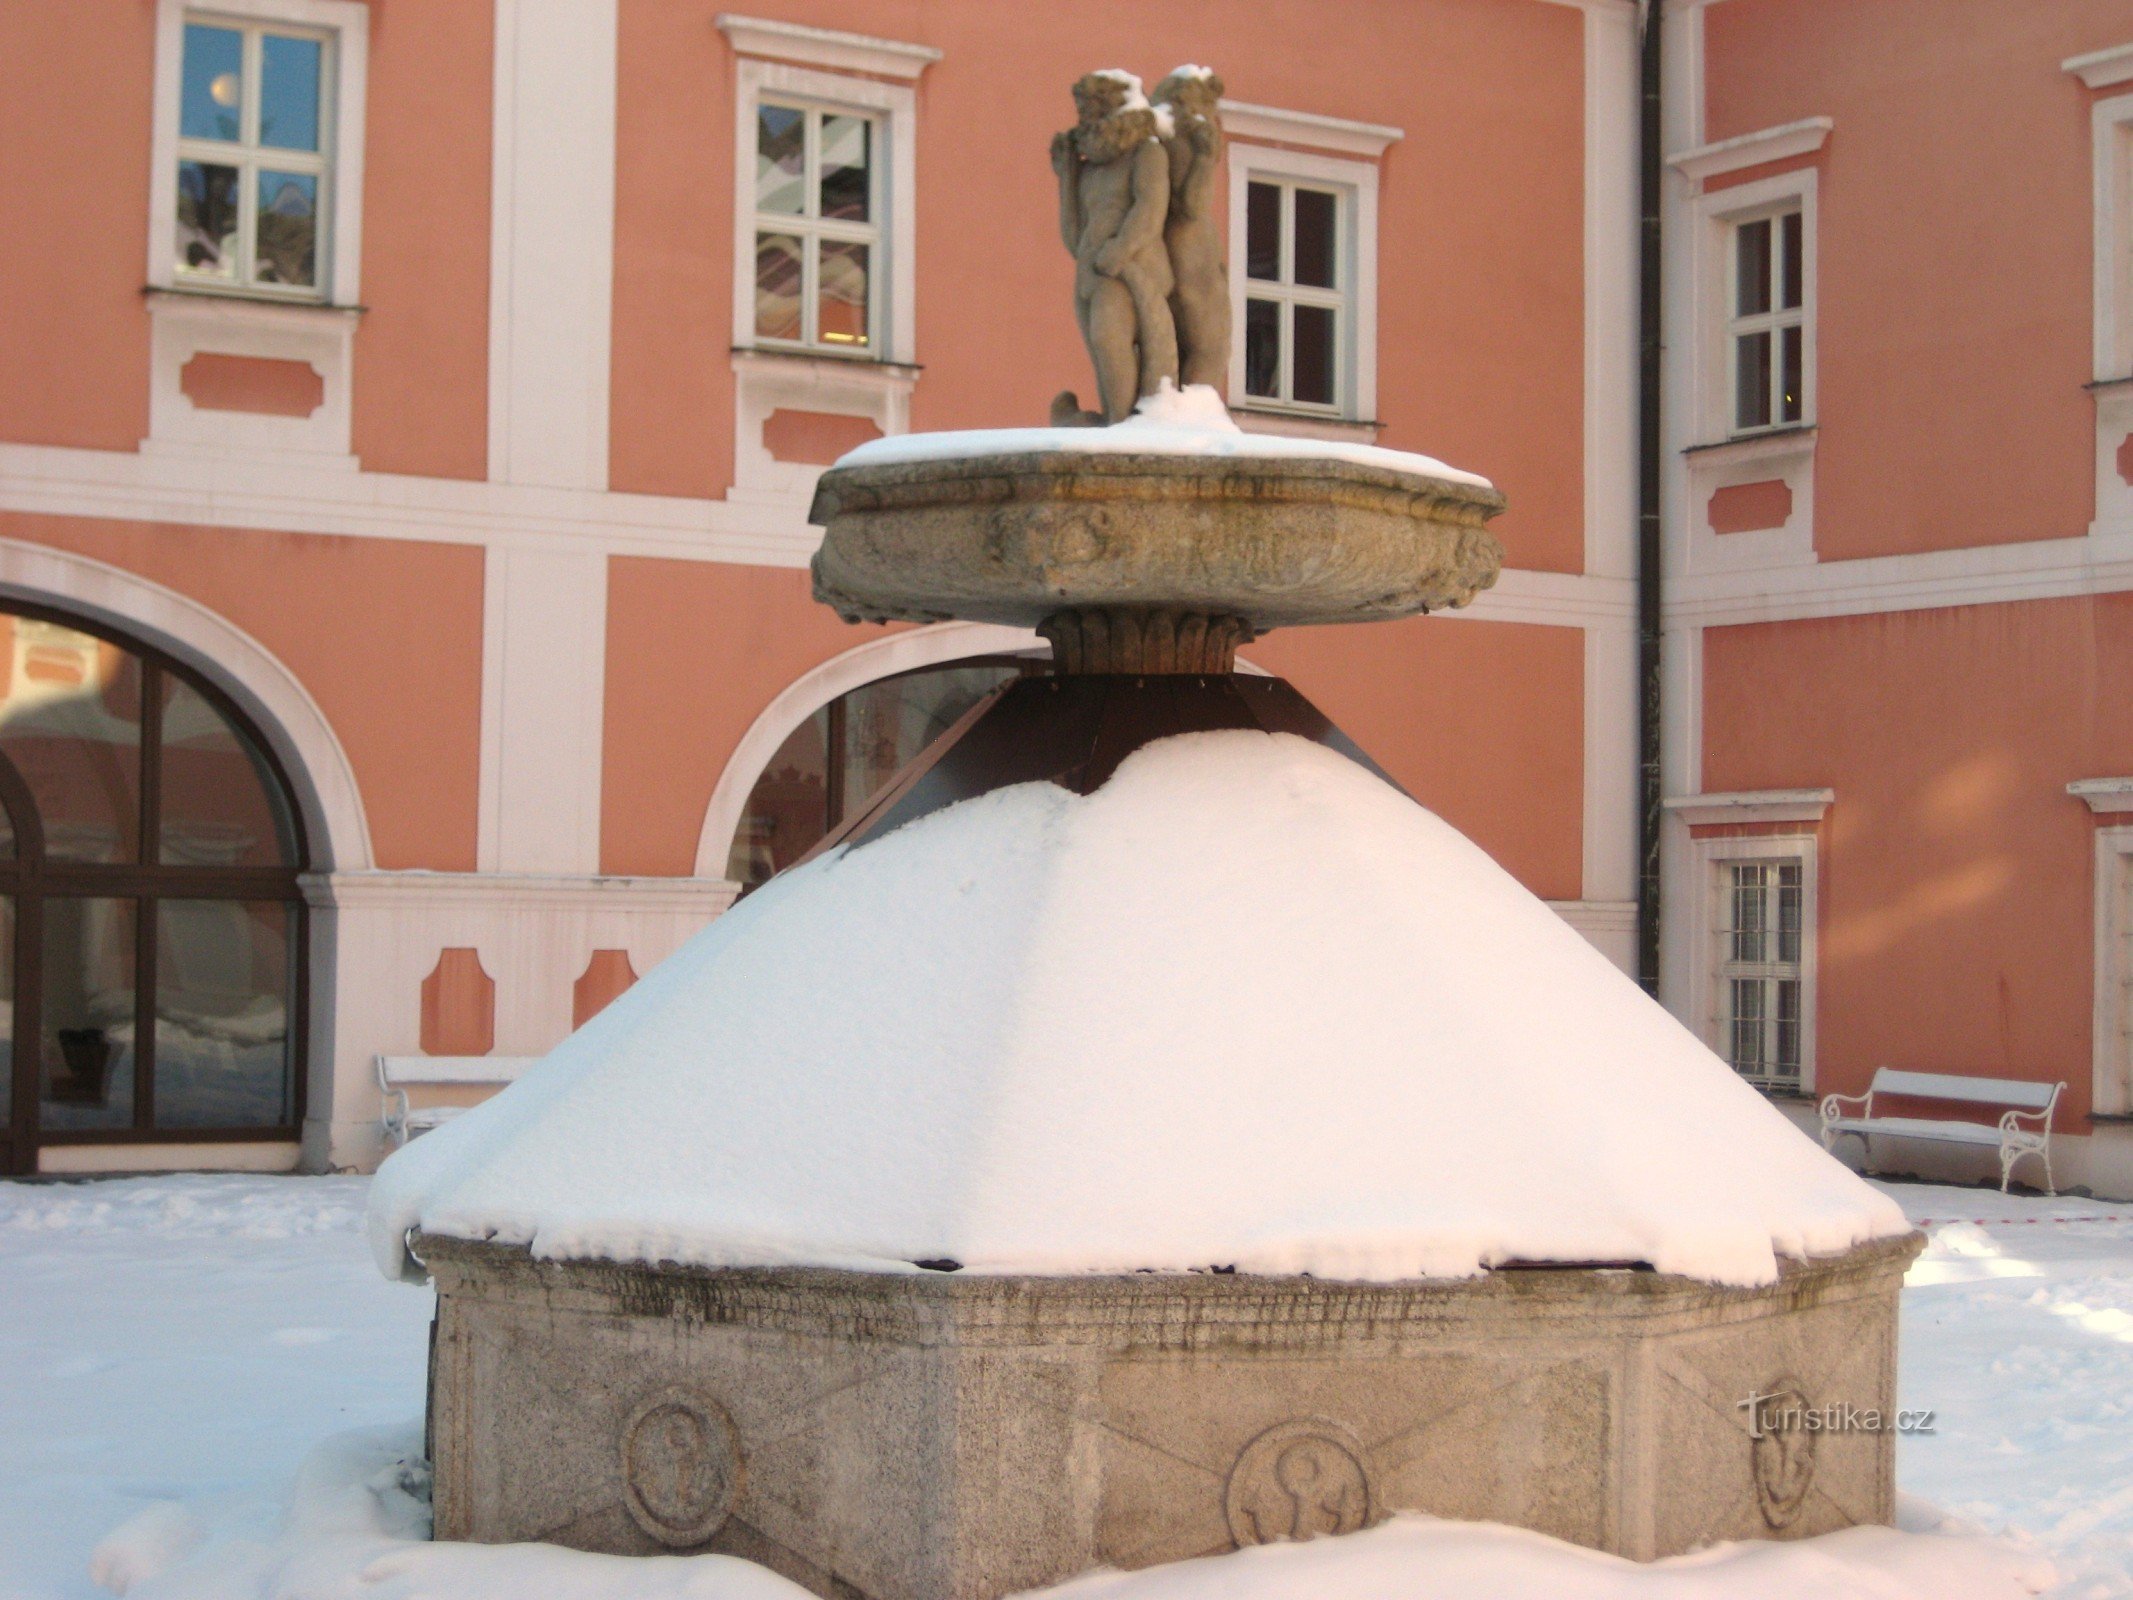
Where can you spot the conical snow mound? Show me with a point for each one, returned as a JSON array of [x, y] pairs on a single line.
[[1245, 1006]]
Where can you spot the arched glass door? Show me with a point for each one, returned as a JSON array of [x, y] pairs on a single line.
[[152, 937]]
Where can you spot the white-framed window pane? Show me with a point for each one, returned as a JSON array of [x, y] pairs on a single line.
[[1788, 1027], [1262, 232], [1746, 1012], [1792, 374], [1316, 253], [1789, 910], [1751, 380], [207, 220], [779, 265], [211, 99], [1792, 277], [780, 160], [289, 92], [846, 162], [1312, 342], [288, 229], [841, 276], [1262, 348], [1751, 295]]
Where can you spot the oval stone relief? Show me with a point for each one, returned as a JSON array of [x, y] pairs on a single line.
[[1299, 1480], [681, 1466], [1782, 1455]]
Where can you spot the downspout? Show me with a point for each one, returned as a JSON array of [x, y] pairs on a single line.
[[1651, 791]]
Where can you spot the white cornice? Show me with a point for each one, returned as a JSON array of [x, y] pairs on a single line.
[[1752, 149], [2104, 796], [1752, 805], [1273, 125], [516, 891], [2102, 69], [825, 47]]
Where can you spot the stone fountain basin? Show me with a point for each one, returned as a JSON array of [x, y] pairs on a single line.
[[931, 1435], [1277, 541]]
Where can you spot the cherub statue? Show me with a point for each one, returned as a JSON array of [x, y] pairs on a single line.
[[1199, 296], [1114, 193]]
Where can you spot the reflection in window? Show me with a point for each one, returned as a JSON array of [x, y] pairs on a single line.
[[222, 1014], [834, 761], [253, 166], [817, 227], [150, 923]]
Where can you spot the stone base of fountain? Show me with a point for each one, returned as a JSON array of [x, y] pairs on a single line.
[[950, 1436]]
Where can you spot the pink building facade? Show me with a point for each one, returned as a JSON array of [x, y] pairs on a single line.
[[411, 411]]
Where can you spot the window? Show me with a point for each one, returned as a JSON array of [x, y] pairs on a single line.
[[1767, 332], [817, 227], [254, 158], [151, 930], [829, 765], [1297, 311], [1760, 987]]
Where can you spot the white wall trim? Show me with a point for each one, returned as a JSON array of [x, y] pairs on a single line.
[[2104, 796], [1752, 149], [551, 284], [349, 21], [291, 721], [2102, 69], [2111, 144], [1308, 129], [519, 890], [805, 695], [1610, 926], [1752, 805], [1611, 40], [2111, 1054], [825, 47]]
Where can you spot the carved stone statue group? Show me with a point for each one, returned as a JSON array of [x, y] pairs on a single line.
[[1136, 208]]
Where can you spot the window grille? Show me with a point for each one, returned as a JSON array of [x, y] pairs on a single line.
[[1760, 981]]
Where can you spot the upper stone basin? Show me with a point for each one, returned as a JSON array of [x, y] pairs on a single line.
[[1270, 540]]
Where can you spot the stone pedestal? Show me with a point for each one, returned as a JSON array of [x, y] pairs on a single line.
[[941, 1436]]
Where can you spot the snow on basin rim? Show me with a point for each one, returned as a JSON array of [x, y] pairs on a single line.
[[1188, 422], [1245, 1005]]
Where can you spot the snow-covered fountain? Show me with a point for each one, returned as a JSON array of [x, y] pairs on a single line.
[[1145, 1131]]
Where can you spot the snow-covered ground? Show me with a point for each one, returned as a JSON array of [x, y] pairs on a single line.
[[191, 1339]]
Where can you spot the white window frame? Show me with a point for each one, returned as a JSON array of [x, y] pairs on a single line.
[[2111, 1057], [894, 110], [1708, 861], [345, 25], [1774, 321], [1288, 294], [2111, 135], [1716, 215], [814, 231], [1728, 970], [1356, 182]]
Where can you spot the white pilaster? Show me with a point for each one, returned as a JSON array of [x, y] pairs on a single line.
[[552, 238], [543, 681]]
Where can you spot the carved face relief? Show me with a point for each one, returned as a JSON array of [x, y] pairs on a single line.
[[681, 1466], [1783, 1456], [1298, 1480]]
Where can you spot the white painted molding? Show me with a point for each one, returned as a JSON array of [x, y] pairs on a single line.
[[1293, 425], [302, 739], [2111, 1050], [1338, 135], [825, 47], [812, 690], [1611, 288], [520, 891], [1751, 805], [1752, 149], [2104, 796], [2102, 69], [184, 323], [551, 283], [1756, 449]]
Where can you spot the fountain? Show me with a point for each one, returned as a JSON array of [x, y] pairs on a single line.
[[1142, 1131]]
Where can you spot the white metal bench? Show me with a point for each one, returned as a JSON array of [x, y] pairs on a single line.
[[397, 1074], [2030, 1103]]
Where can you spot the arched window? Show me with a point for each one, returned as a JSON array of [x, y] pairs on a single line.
[[152, 938], [828, 765]]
